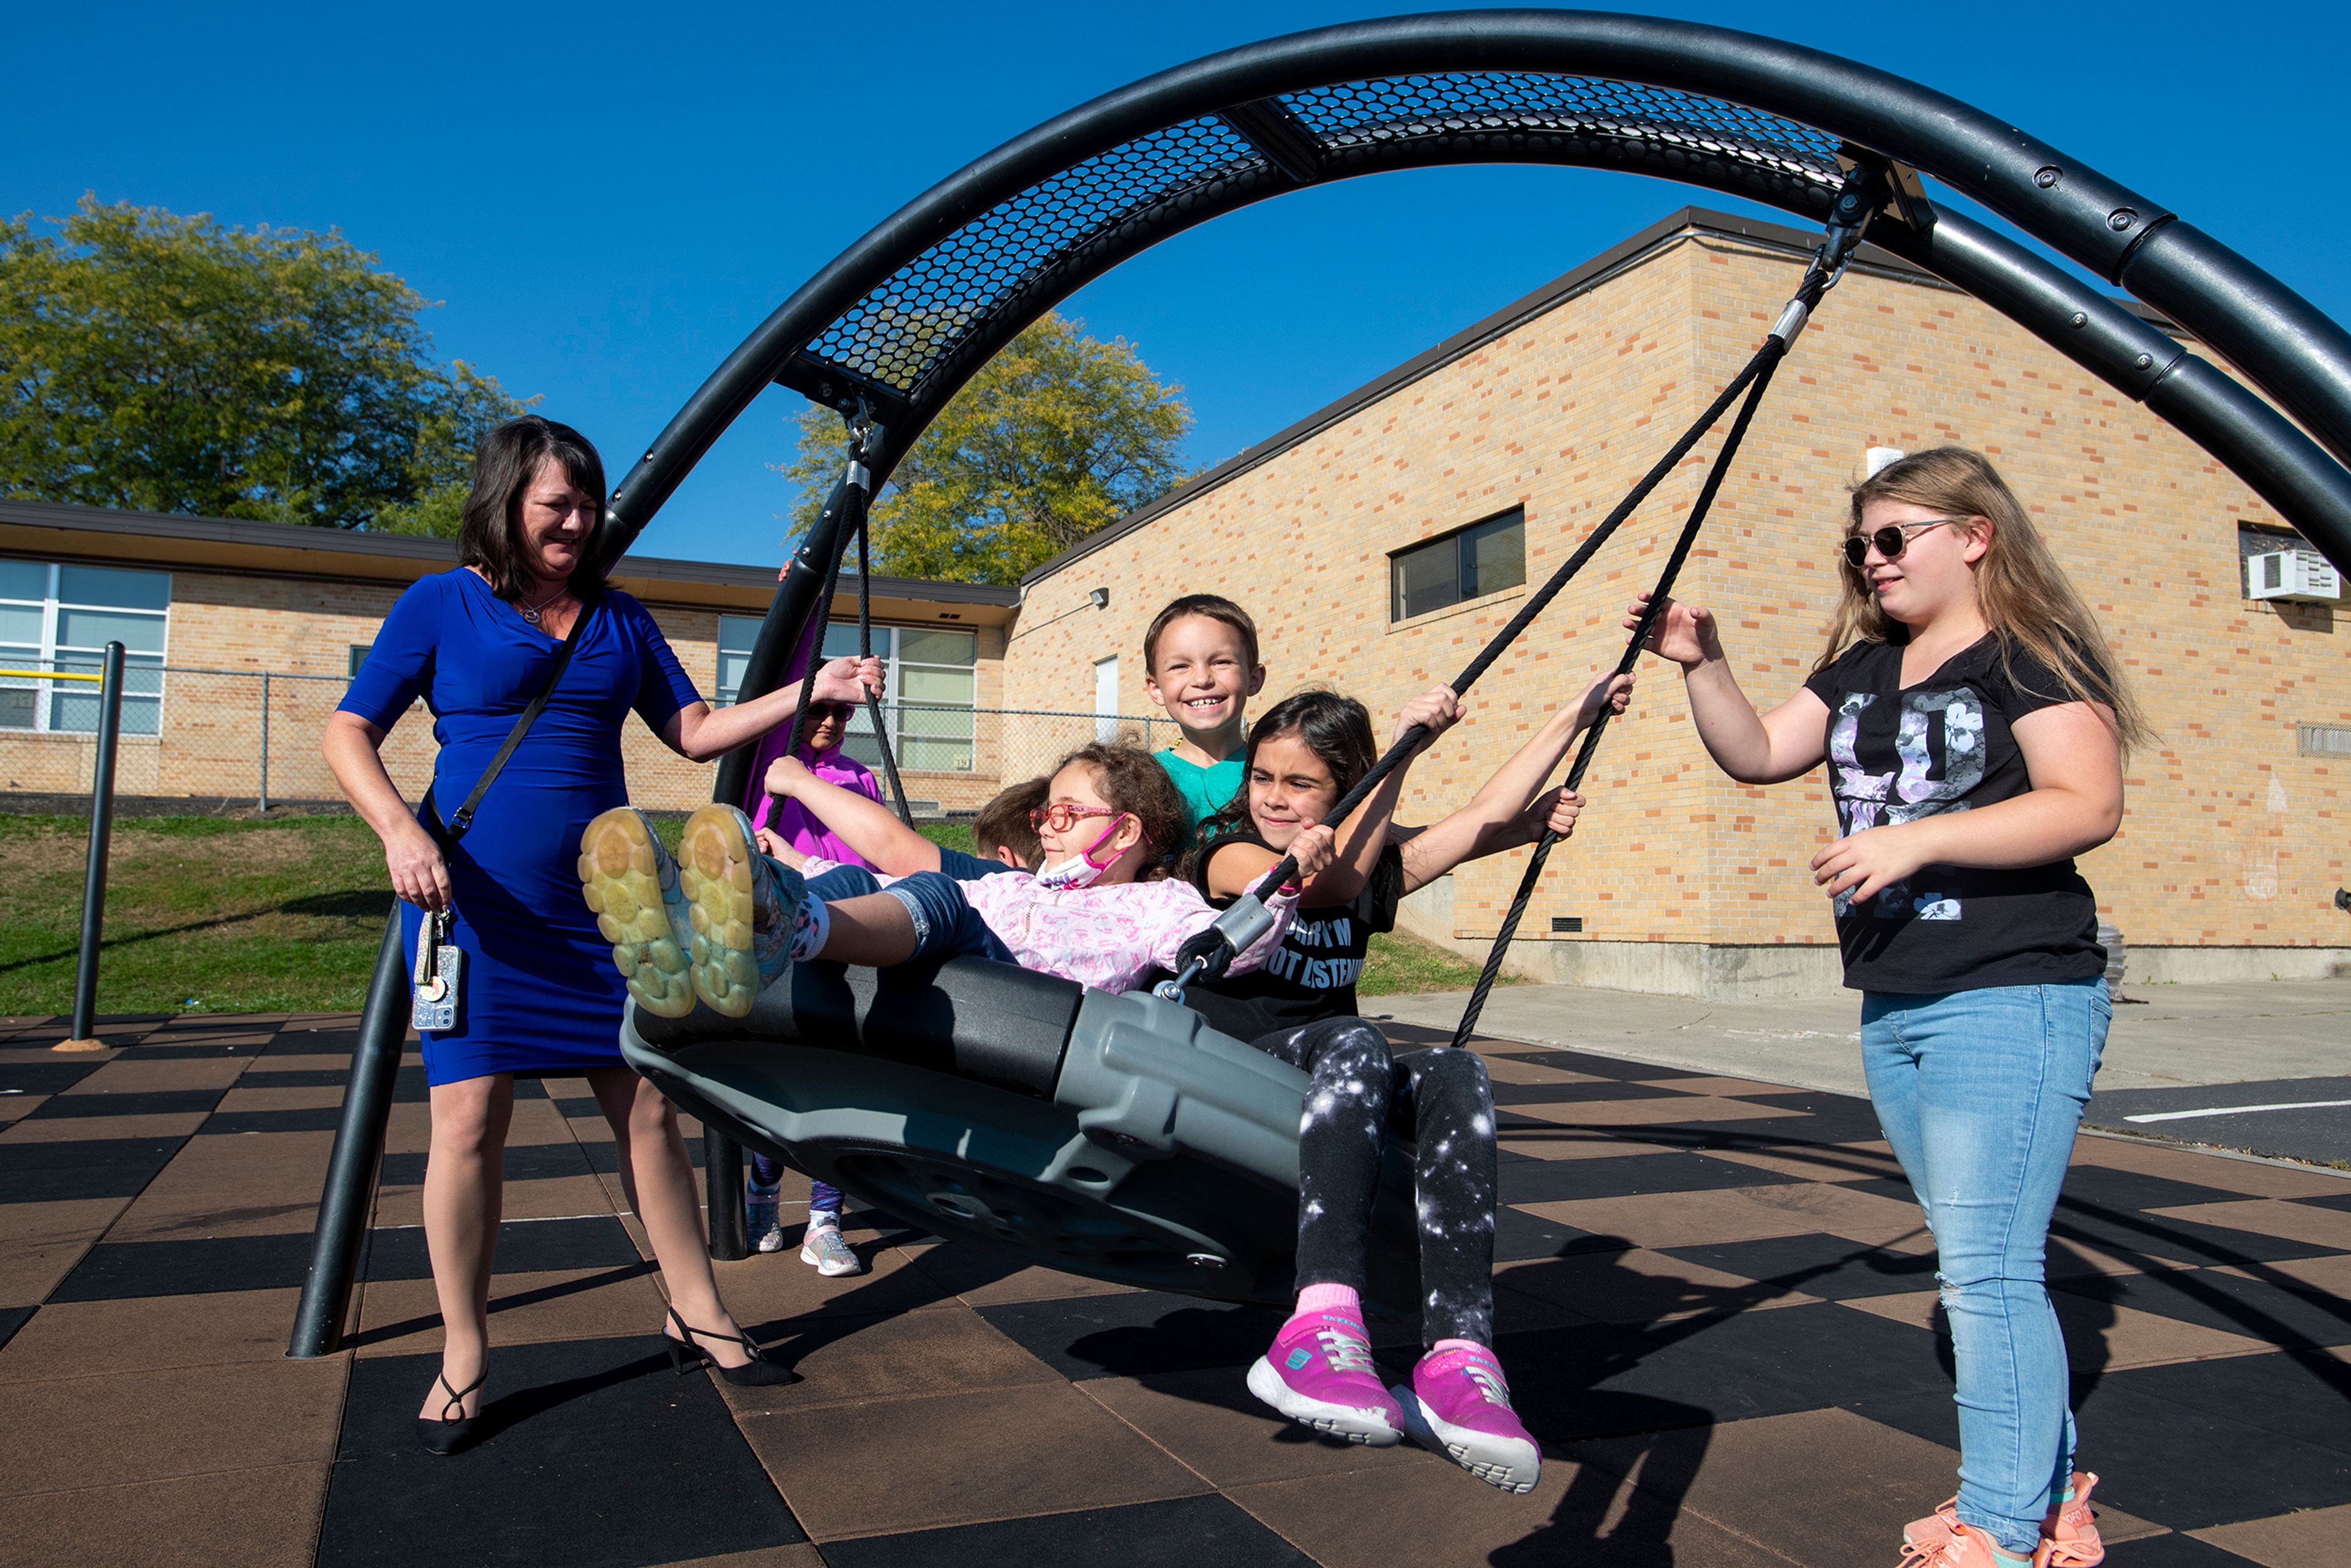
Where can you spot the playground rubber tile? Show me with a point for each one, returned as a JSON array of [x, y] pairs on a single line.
[[298, 1073], [1663, 1221], [2327, 1276], [984, 1278], [313, 1119], [115, 1428], [1135, 1335], [1595, 1091], [230, 1186], [1830, 1267], [2177, 1240], [1208, 1419], [2305, 1398], [1654, 1110], [247, 1096], [52, 1077], [1579, 1062], [2103, 1186], [1638, 1286], [1537, 1142], [841, 1360], [2339, 1201], [2157, 1454], [403, 1317], [800, 1557], [2290, 1315], [1501, 1069], [141, 1073], [1015, 1451], [525, 1246], [1541, 1181], [149, 1333], [767, 1291], [117, 1167], [116, 1271], [2249, 1177], [11, 1320], [1520, 1236], [2289, 1541], [264, 1517], [98, 1129], [592, 1444], [1836, 1163], [562, 1197], [2098, 1336], [1182, 1532], [2307, 1222], [86, 1102], [524, 1162], [1386, 1513]]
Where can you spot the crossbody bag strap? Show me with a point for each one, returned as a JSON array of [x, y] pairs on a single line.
[[464, 817]]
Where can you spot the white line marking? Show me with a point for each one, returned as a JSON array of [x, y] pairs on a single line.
[[2236, 1111]]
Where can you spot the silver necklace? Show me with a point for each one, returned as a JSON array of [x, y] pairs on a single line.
[[531, 613]]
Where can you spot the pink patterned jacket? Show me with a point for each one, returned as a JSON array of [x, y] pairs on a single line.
[[1106, 937]]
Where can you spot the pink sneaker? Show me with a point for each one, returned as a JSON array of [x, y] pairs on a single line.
[[2069, 1534], [1319, 1373], [1459, 1406]]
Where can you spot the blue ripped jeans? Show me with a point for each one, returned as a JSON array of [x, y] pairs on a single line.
[[946, 924], [1980, 1094]]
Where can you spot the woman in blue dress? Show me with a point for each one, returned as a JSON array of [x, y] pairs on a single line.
[[538, 992]]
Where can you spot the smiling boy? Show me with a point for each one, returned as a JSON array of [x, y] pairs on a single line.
[[1200, 663]]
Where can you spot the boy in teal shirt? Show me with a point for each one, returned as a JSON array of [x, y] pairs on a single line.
[[1200, 663]]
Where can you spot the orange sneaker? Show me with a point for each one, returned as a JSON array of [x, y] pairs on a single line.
[[1959, 1547]]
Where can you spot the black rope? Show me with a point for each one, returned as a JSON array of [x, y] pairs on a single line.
[[864, 504], [1641, 631]]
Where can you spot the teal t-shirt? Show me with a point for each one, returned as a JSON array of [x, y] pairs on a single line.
[[1205, 790]]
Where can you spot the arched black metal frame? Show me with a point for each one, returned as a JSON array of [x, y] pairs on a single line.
[[905, 317]]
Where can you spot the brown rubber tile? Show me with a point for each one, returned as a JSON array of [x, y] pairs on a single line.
[[403, 1317], [1211, 1423], [73, 1129], [261, 1518], [1563, 1144], [237, 1184], [986, 1280], [1828, 1162], [2303, 1539], [1665, 1111], [41, 1243], [880, 1467], [187, 1421], [844, 1359], [2254, 1178], [1503, 1070], [127, 1074], [549, 1197], [267, 1097], [2097, 1333], [76, 1339], [1387, 1513], [771, 1288], [1733, 1087], [2319, 1226], [1662, 1220], [1638, 1287], [2330, 1275], [800, 1557]]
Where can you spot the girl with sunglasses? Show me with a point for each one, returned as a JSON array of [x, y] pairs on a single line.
[[1974, 730], [815, 742]]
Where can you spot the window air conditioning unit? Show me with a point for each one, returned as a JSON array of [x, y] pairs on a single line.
[[2301, 575]]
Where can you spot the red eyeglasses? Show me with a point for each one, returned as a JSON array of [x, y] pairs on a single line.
[[1062, 816]]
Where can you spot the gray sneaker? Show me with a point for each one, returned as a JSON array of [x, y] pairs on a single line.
[[825, 1246]]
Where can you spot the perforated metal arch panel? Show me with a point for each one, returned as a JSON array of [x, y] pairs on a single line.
[[902, 331]]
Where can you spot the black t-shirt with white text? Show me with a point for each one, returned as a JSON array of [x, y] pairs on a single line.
[[1895, 755], [1311, 976]]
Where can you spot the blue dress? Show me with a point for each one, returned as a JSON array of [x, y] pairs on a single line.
[[539, 993]]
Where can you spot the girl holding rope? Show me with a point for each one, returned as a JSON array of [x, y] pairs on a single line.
[[1974, 729]]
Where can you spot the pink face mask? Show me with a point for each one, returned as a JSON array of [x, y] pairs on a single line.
[[1082, 870]]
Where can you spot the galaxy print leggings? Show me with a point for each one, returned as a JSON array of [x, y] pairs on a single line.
[[1437, 1098]]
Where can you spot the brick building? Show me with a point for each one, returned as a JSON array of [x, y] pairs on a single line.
[[241, 635], [1382, 540]]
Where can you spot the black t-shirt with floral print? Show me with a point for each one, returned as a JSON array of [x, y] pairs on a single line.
[[1897, 754]]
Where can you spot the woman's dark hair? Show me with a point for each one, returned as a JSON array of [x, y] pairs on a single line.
[[1132, 780], [1337, 729], [505, 464]]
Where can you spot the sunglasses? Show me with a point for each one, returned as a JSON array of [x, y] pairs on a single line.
[[1060, 816], [1891, 541], [820, 712]]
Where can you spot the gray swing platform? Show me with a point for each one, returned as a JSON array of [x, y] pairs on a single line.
[[1115, 1136]]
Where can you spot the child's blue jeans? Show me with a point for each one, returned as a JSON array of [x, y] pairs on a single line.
[[1980, 1094], [946, 924]]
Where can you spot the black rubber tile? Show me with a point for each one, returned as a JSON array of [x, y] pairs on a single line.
[[1182, 1532], [2171, 1552], [1581, 1093], [305, 1119], [54, 1184], [2288, 1314], [1827, 1118], [524, 1162], [1627, 1176], [2191, 1468], [411, 1088], [2097, 1186], [603, 1155], [263, 1077], [2341, 1200], [158, 1103], [525, 1246], [316, 1041], [44, 1077], [1817, 1265], [1136, 1334], [595, 1457], [117, 1270], [2174, 1239], [1610, 1379], [1597, 1066], [1521, 1237], [12, 1318], [80, 1154], [2306, 1396]]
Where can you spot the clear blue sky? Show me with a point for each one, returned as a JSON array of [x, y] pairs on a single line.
[[608, 197]]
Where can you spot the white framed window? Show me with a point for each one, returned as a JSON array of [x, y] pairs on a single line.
[[61, 617], [933, 689]]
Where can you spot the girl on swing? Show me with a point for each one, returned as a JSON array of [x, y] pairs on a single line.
[[1974, 729]]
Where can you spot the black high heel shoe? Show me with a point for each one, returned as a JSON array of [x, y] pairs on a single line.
[[451, 1434], [756, 1373]]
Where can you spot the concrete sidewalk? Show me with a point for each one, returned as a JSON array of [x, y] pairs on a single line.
[[2165, 1037]]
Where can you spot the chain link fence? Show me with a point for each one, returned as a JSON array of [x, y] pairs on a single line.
[[240, 740]]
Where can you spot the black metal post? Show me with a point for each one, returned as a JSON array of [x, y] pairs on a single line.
[[84, 1036], [339, 1240]]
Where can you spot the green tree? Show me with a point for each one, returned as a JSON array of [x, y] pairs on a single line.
[[172, 364], [1058, 436]]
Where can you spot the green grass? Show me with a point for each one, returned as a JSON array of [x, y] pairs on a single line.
[[1397, 965], [212, 914]]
